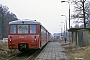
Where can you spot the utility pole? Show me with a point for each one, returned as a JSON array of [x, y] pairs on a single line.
[[69, 15], [66, 24], [69, 11], [84, 14]]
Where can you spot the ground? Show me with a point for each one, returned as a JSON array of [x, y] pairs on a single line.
[[5, 52], [75, 52]]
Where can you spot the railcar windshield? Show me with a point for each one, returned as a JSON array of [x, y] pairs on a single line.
[[32, 29], [12, 29], [22, 29]]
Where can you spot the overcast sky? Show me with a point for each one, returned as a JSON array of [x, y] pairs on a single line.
[[48, 12]]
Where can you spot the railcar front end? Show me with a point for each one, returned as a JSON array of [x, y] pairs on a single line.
[[23, 37], [26, 34]]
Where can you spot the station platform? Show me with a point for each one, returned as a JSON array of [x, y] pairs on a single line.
[[52, 51]]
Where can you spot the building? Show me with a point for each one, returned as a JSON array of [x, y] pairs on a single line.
[[56, 35]]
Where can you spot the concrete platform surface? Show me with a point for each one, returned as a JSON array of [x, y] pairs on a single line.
[[52, 51]]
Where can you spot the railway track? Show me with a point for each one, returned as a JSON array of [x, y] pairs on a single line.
[[33, 56], [11, 57], [27, 55], [21, 56]]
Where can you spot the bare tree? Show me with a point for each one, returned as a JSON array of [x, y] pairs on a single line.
[[3, 11], [81, 9], [5, 17]]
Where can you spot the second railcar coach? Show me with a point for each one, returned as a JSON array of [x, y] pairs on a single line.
[[27, 34]]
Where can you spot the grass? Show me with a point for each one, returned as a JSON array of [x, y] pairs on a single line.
[[78, 53]]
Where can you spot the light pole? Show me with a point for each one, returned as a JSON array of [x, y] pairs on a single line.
[[66, 23], [69, 15], [69, 10], [61, 30], [64, 27]]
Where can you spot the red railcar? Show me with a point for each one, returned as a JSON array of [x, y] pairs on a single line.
[[27, 34]]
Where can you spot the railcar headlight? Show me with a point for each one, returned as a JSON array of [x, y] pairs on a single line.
[[10, 39], [35, 38]]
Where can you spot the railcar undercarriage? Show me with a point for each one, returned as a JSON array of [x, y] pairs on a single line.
[[22, 47]]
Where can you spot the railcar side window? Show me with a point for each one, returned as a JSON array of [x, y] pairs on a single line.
[[32, 29], [22, 29], [13, 29]]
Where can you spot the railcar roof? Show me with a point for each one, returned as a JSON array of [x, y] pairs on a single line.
[[26, 21]]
